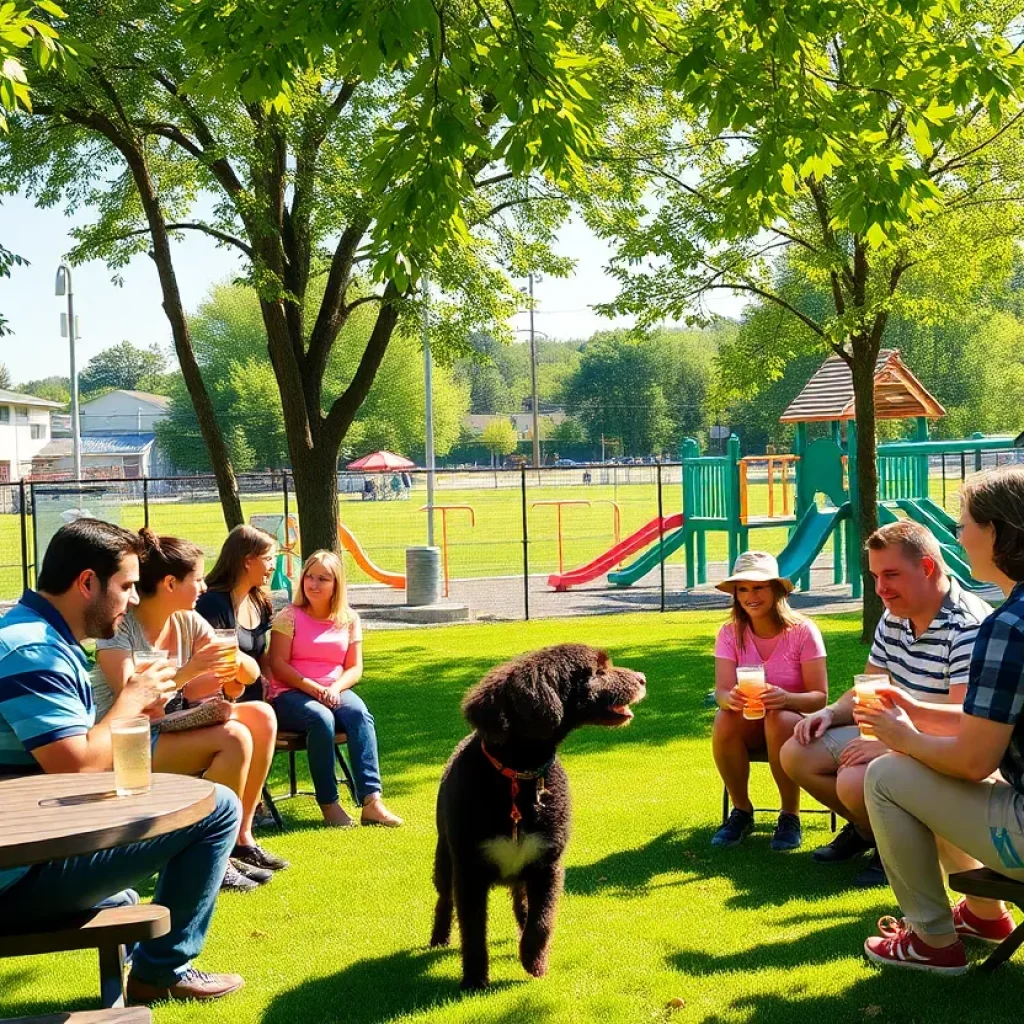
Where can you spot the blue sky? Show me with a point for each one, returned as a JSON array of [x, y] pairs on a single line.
[[109, 314]]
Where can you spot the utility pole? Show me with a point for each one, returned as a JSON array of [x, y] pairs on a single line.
[[63, 285], [533, 382], [428, 374]]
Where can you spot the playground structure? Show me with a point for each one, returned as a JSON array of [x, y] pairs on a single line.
[[714, 488]]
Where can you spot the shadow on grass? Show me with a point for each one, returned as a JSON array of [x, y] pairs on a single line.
[[378, 989], [887, 994], [760, 876]]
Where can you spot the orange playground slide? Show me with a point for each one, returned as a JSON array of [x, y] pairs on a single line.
[[353, 547]]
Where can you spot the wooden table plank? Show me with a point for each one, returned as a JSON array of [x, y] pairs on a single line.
[[50, 817]]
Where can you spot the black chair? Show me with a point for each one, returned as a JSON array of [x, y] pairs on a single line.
[[291, 743], [761, 757], [991, 885]]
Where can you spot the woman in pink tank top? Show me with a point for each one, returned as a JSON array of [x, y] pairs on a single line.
[[764, 633], [316, 658]]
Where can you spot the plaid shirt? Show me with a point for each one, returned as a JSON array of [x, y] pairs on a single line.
[[996, 688]]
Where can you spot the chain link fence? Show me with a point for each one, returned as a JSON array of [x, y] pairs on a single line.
[[516, 543]]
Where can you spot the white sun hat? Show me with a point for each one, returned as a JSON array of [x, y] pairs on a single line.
[[754, 567]]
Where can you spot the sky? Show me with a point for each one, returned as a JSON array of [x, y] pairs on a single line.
[[108, 314]]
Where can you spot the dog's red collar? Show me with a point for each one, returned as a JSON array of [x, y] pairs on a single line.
[[514, 778]]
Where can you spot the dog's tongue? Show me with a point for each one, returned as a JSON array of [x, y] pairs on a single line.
[[622, 709]]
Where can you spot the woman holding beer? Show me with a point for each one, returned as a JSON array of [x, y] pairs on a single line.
[[236, 753], [769, 670]]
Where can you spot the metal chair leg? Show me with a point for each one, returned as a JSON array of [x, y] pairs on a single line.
[[293, 784], [725, 805], [1004, 950], [350, 782], [268, 801]]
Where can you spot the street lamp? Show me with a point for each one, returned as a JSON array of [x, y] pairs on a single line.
[[62, 285], [533, 278]]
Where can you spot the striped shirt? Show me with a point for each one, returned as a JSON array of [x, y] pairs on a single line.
[[929, 664], [45, 694], [996, 690]]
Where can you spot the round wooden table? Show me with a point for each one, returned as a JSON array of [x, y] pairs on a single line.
[[50, 817]]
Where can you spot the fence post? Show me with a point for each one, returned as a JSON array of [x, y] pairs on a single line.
[[526, 547], [145, 500], [24, 535], [35, 531], [284, 488], [661, 538]]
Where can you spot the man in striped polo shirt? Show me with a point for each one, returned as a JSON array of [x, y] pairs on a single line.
[[923, 643]]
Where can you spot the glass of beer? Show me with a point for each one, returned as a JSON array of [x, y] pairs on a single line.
[[865, 693], [129, 738], [751, 685], [227, 641]]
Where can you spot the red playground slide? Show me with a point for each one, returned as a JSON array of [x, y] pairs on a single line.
[[647, 534]]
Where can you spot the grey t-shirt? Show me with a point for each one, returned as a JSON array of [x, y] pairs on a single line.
[[188, 628]]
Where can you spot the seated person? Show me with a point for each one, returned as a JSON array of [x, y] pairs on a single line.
[[923, 642], [763, 631], [237, 753], [236, 597], [316, 658], [86, 585], [960, 781]]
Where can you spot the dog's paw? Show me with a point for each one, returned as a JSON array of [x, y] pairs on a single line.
[[538, 966], [440, 941], [475, 984]]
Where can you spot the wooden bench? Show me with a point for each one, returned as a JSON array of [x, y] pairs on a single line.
[[291, 743], [991, 885], [121, 1015], [108, 931]]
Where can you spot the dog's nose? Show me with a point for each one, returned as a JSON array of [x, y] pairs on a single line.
[[642, 678]]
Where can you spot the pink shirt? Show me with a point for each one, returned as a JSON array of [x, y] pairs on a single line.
[[782, 655], [319, 647]]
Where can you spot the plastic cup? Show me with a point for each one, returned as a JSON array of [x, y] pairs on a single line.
[[129, 738], [865, 693], [751, 685], [227, 641]]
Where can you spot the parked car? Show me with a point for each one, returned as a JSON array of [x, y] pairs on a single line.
[[564, 462]]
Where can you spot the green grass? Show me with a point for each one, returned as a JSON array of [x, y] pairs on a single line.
[[650, 912]]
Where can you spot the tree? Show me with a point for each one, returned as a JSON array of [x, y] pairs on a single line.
[[53, 389], [5, 378], [390, 144], [500, 437], [230, 348], [569, 431], [617, 392], [866, 139], [123, 366]]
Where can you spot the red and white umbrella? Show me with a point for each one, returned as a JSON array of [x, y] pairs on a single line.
[[381, 462]]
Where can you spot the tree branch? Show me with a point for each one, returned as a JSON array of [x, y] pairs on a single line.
[[206, 229]]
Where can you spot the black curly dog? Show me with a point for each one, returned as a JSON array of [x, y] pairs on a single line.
[[503, 807]]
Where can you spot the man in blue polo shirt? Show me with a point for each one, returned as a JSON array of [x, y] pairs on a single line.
[[47, 720]]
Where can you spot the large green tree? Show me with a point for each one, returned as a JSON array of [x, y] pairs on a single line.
[[123, 366], [228, 334], [352, 145], [865, 138]]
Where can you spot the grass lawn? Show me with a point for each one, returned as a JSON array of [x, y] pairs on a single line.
[[650, 912]]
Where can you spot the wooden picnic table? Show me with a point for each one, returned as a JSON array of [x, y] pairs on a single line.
[[50, 817]]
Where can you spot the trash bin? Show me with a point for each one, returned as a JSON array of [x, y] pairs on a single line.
[[422, 576]]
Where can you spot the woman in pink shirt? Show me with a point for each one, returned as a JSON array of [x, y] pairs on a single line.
[[316, 658], [763, 631]]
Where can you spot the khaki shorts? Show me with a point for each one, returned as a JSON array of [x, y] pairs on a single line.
[[838, 738]]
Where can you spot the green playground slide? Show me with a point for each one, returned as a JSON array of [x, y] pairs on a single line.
[[809, 538], [670, 543]]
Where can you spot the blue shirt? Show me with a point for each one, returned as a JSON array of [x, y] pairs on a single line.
[[996, 689], [45, 694]]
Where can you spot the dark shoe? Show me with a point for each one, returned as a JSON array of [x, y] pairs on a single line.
[[263, 818], [235, 881], [788, 834], [258, 875], [738, 826], [192, 984], [847, 845], [257, 857], [872, 875]]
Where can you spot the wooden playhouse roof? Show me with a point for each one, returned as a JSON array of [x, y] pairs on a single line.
[[828, 395]]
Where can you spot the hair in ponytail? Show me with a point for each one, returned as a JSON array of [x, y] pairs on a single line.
[[162, 557]]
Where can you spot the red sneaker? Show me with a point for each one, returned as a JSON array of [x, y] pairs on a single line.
[[900, 947], [985, 929]]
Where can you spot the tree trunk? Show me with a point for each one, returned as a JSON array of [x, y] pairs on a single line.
[[316, 492], [220, 460], [865, 354]]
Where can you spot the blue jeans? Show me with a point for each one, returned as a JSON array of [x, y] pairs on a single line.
[[298, 712], [191, 864]]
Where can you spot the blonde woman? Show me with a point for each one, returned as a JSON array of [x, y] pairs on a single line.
[[316, 658], [763, 631]]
